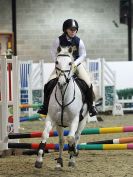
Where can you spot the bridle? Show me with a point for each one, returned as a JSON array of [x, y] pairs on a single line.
[[67, 78], [63, 72]]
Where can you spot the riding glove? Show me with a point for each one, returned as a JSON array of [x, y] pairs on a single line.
[[74, 68]]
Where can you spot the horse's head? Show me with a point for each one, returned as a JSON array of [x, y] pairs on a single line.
[[63, 65]]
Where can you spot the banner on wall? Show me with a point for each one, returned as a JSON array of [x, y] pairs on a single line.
[[109, 95]]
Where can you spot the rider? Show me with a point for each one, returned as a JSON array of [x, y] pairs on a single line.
[[67, 39]]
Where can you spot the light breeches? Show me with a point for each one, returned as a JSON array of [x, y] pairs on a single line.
[[82, 74]]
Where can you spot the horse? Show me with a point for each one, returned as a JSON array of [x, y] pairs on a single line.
[[66, 108]]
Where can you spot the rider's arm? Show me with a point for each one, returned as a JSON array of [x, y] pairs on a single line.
[[82, 53], [54, 47]]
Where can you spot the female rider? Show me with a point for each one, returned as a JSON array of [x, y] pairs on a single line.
[[67, 39]]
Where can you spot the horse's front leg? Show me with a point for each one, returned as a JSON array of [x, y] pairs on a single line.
[[71, 141], [41, 149], [61, 146]]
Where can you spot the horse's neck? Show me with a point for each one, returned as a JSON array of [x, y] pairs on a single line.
[[68, 89]]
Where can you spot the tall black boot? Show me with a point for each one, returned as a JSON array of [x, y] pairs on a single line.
[[89, 95], [90, 101], [48, 88]]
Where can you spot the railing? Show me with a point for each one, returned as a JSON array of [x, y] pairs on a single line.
[[127, 104], [104, 79]]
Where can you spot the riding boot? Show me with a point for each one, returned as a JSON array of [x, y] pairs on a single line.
[[48, 88], [90, 101]]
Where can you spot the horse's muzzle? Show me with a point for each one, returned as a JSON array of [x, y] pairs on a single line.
[[61, 85]]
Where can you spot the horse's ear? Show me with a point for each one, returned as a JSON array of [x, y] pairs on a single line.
[[59, 49], [70, 50]]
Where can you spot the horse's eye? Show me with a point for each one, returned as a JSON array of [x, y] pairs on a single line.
[[56, 62], [70, 63]]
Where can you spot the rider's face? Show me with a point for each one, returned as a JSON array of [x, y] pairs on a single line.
[[71, 32]]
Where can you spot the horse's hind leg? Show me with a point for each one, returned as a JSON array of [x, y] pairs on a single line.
[[61, 146], [81, 126], [41, 149], [73, 151]]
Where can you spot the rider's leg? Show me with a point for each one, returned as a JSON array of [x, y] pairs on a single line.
[[82, 74], [48, 88]]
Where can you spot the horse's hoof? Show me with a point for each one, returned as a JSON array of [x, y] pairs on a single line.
[[58, 167], [38, 164], [59, 162], [71, 164]]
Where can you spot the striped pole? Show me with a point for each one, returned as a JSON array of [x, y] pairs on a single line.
[[105, 146], [114, 141], [34, 134], [31, 118], [24, 135], [30, 105], [87, 131], [79, 146]]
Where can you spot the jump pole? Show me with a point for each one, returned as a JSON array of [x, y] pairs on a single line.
[[87, 131], [31, 118], [30, 105], [79, 146], [114, 141]]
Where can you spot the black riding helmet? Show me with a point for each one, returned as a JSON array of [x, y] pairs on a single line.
[[70, 23]]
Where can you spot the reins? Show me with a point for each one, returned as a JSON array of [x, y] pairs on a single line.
[[62, 102], [63, 91]]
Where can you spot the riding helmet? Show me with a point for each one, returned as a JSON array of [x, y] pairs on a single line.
[[70, 23]]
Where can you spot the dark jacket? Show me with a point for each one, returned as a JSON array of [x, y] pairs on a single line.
[[74, 43]]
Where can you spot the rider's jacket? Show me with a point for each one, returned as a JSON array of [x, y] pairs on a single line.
[[74, 42]]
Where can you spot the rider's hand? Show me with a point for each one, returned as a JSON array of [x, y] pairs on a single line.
[[74, 67]]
